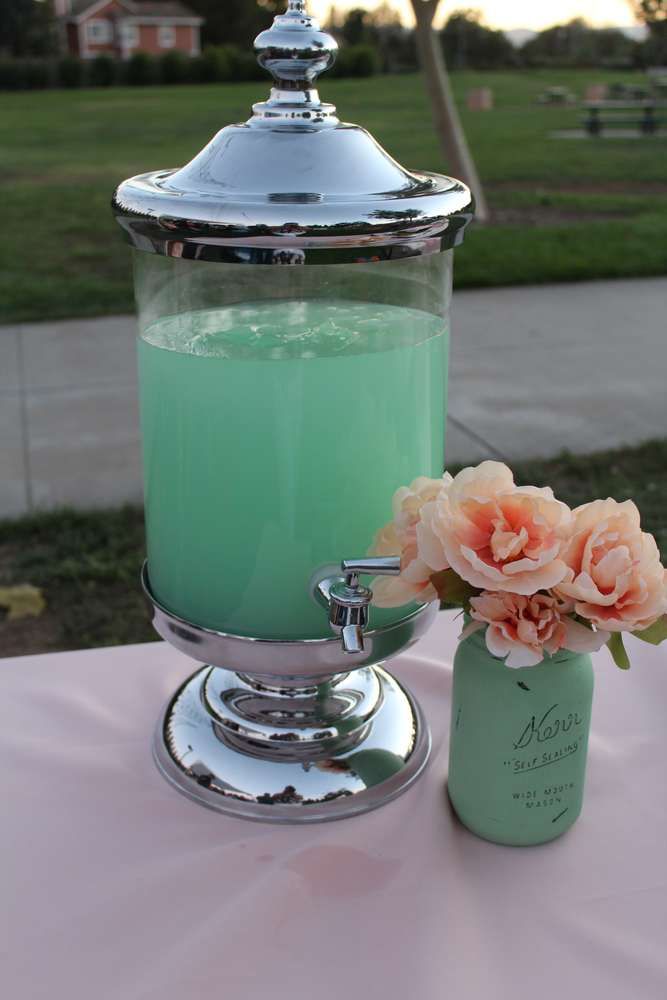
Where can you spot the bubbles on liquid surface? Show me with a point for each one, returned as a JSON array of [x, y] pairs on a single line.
[[293, 329]]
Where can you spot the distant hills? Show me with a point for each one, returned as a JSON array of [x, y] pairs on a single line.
[[519, 36]]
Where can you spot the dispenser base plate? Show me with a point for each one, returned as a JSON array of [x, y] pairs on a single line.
[[337, 749]]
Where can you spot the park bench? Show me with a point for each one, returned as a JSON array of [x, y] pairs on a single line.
[[604, 115]]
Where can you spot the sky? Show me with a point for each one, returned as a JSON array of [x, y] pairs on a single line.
[[509, 14]]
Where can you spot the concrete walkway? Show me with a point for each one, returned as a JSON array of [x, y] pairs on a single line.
[[534, 370]]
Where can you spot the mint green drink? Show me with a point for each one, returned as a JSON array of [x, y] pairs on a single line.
[[274, 437]]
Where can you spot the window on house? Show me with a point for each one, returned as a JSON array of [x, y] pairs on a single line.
[[166, 36], [99, 31], [130, 36]]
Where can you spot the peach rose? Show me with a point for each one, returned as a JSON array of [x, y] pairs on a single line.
[[614, 575], [524, 629], [399, 538], [495, 535]]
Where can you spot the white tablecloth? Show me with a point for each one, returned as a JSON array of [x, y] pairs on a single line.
[[115, 887]]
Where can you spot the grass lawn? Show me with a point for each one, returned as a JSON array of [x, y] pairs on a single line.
[[87, 564], [563, 209]]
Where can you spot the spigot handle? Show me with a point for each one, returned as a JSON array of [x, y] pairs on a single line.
[[373, 566]]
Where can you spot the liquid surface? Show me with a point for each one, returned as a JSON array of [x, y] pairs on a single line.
[[274, 437]]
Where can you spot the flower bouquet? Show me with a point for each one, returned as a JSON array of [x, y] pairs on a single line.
[[541, 586]]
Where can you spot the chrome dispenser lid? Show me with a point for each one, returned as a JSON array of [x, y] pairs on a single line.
[[293, 184]]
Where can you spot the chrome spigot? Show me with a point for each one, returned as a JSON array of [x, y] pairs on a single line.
[[349, 600]]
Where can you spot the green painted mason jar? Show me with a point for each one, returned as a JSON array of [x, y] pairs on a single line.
[[518, 743]]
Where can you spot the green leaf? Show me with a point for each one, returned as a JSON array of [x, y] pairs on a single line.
[[617, 649], [452, 590], [656, 633]]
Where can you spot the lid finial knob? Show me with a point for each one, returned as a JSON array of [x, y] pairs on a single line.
[[295, 51]]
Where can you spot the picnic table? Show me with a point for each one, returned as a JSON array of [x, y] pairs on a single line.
[[118, 888]]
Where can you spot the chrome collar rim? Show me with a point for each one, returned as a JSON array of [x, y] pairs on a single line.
[[288, 658]]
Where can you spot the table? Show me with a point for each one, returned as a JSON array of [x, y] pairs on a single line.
[[117, 888]]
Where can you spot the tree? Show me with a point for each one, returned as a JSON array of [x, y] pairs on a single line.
[[468, 42], [380, 28], [613, 48], [654, 15], [578, 44], [445, 115], [386, 16], [357, 28], [235, 22], [27, 28]]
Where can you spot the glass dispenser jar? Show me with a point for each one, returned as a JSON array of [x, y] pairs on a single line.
[[281, 408], [293, 284]]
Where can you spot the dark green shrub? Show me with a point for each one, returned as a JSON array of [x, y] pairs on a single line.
[[102, 72], [244, 65], [70, 72], [38, 74], [365, 61], [140, 70], [215, 65], [174, 67], [357, 60], [12, 74], [15, 74], [204, 68]]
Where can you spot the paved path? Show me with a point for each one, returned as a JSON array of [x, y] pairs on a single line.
[[534, 370]]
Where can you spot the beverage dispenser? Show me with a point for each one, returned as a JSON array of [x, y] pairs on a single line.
[[293, 284]]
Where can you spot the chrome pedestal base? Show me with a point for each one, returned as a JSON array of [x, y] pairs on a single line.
[[295, 752], [290, 731]]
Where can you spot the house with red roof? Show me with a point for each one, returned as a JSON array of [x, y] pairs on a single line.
[[119, 28]]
